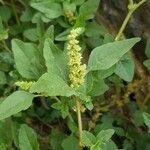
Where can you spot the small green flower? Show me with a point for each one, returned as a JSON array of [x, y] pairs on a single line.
[[69, 14], [77, 70], [24, 85]]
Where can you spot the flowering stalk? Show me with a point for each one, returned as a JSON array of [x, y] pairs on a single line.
[[77, 72], [70, 16], [24, 85]]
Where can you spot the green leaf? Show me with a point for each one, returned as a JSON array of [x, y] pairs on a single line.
[[110, 145], [127, 145], [108, 38], [69, 6], [52, 85], [105, 135], [96, 146], [50, 8], [99, 87], [3, 138], [72, 125], [55, 59], [63, 36], [6, 132], [27, 138], [27, 58], [147, 49], [88, 138], [31, 34], [3, 146], [62, 106], [103, 74], [89, 82], [5, 67], [94, 29], [15, 133], [138, 118], [119, 131], [1, 1], [95, 83], [70, 143], [77, 2], [7, 57], [3, 31], [27, 14], [105, 56], [40, 17], [56, 139], [81, 92], [88, 9], [80, 22], [146, 117], [2, 78], [50, 33], [147, 64], [96, 41], [63, 23], [40, 31], [5, 16], [125, 68], [15, 103]]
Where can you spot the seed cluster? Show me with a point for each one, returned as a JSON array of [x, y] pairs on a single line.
[[77, 70]]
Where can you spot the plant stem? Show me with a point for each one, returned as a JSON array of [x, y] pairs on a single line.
[[132, 7], [146, 99], [78, 109], [22, 2], [15, 13], [123, 26], [5, 46]]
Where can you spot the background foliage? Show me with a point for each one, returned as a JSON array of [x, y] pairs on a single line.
[[36, 102]]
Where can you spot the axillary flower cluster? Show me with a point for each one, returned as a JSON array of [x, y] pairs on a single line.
[[69, 14], [24, 85], [77, 71]]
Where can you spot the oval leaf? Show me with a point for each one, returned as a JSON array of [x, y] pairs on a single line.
[[146, 117], [88, 9], [105, 56], [49, 8], [15, 103], [27, 138], [125, 68], [28, 59], [88, 138], [52, 85], [105, 135], [55, 59], [70, 143]]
